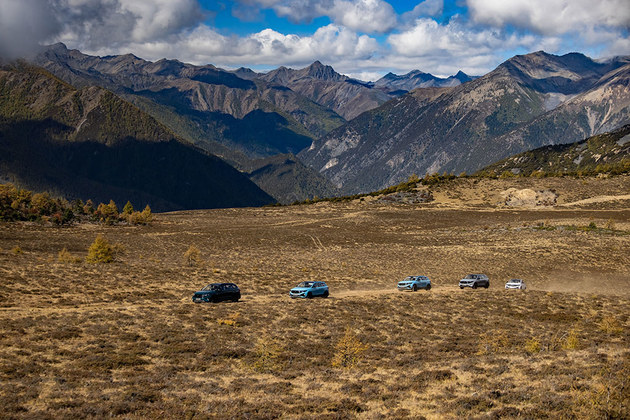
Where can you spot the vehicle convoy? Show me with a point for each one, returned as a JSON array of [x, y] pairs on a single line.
[[414, 283], [474, 281], [515, 284], [309, 289], [217, 292]]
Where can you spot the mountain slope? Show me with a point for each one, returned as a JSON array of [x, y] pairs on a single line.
[[471, 125], [225, 108], [321, 84], [88, 143], [288, 180], [609, 152]]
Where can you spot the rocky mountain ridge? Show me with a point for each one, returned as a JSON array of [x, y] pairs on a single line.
[[466, 127], [418, 79]]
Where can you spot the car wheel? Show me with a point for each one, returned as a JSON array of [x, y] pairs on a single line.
[[415, 288], [325, 295], [487, 285], [428, 287], [474, 286], [309, 295], [461, 287]]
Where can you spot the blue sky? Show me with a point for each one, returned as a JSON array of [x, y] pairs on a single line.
[[361, 38]]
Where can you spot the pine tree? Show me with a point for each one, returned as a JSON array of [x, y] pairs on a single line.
[[100, 251], [128, 209]]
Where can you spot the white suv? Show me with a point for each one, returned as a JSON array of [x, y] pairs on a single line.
[[515, 284]]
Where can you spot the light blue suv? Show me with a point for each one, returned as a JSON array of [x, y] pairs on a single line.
[[414, 283], [309, 289]]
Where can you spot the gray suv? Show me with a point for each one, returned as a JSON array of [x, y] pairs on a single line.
[[474, 281]]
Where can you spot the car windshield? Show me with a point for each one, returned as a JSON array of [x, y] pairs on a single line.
[[515, 281], [306, 284], [471, 276], [410, 278], [211, 287]]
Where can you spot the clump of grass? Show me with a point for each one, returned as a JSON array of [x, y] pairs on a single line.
[[267, 355], [348, 351], [230, 320], [572, 340], [65, 257], [532, 346], [493, 343], [610, 325]]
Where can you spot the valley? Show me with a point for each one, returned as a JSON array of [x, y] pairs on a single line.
[[125, 340]]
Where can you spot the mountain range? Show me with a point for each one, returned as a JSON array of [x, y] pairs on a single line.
[[120, 126], [241, 116], [418, 79], [526, 102]]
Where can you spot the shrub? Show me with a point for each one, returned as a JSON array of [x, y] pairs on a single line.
[[147, 215], [143, 217], [66, 257], [192, 256], [108, 213], [267, 355], [348, 351], [493, 343], [88, 208], [100, 251]]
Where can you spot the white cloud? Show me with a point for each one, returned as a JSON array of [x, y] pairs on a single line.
[[427, 37], [551, 17], [330, 44], [443, 49], [366, 16], [425, 8], [95, 24]]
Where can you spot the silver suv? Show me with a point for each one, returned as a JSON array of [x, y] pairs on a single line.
[[474, 281]]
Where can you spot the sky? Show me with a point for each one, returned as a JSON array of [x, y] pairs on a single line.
[[361, 38]]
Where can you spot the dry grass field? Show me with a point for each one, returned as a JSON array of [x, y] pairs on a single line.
[[123, 339]]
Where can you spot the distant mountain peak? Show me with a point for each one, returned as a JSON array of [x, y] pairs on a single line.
[[318, 70], [462, 77]]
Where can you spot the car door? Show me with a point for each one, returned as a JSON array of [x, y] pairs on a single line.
[[220, 297], [318, 290]]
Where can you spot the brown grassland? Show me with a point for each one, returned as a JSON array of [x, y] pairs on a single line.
[[123, 339]]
